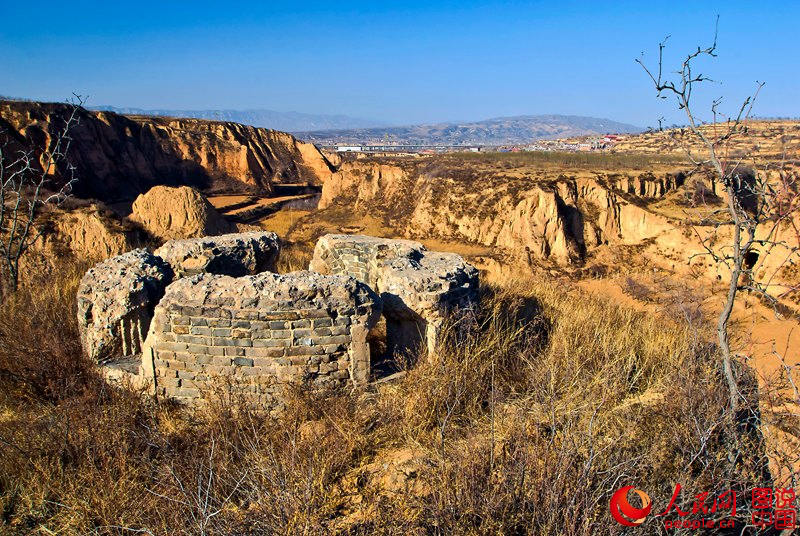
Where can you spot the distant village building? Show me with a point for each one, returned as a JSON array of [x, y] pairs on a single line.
[[397, 149]]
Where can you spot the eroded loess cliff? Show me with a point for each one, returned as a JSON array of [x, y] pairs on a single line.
[[555, 217], [87, 233], [119, 157]]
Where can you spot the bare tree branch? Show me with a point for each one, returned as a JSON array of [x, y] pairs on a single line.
[[754, 212], [25, 182]]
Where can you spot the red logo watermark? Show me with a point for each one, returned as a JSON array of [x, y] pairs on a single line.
[[769, 508], [624, 512]]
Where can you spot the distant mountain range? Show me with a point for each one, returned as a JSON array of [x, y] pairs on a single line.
[[342, 129], [498, 131], [284, 121]]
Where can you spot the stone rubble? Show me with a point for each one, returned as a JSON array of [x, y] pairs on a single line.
[[235, 254]]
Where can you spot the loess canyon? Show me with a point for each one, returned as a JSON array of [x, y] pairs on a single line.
[[551, 215], [119, 157], [564, 215], [576, 213], [560, 302], [573, 213]]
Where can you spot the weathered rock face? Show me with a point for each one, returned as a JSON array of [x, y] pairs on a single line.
[[91, 235], [252, 334], [86, 233], [646, 186], [235, 254], [418, 287], [116, 299], [182, 212], [365, 181], [557, 219], [119, 157], [615, 220]]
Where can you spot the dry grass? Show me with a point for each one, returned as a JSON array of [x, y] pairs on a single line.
[[538, 407], [294, 256], [568, 160], [282, 221], [765, 139]]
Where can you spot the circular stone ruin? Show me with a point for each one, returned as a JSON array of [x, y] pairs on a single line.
[[215, 316]]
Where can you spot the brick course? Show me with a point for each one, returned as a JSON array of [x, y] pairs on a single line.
[[280, 332]]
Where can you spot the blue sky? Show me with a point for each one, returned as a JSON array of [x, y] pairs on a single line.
[[402, 62]]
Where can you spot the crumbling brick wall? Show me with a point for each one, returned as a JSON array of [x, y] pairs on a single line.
[[418, 287], [249, 335], [117, 296]]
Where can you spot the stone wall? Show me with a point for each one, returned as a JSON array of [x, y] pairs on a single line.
[[226, 331], [249, 335], [116, 297], [418, 287]]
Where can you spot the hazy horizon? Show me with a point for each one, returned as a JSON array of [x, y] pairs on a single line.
[[397, 63]]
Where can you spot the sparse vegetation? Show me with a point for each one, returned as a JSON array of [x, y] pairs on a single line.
[[544, 385], [294, 256], [576, 160], [26, 186], [757, 207], [624, 335]]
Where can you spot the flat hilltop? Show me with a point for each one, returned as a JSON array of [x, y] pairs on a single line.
[[771, 139]]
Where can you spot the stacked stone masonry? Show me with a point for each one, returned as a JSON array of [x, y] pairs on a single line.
[[419, 288], [258, 332], [116, 298]]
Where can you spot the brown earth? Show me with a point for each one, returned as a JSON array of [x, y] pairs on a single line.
[[537, 213], [765, 139], [513, 216], [616, 223], [87, 232], [168, 213], [623, 225], [118, 157]]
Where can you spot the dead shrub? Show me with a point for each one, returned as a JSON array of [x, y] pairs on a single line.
[[637, 290], [40, 353]]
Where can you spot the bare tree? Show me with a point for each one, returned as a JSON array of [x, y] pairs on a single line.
[[758, 210], [26, 186]]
